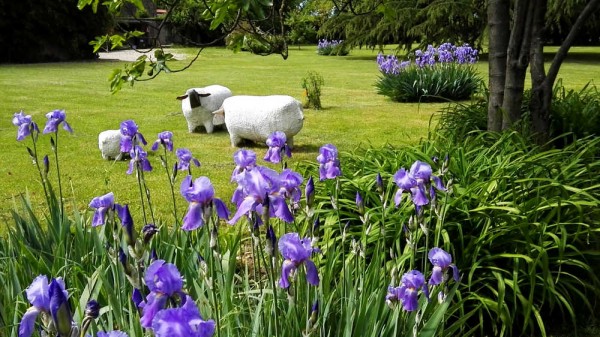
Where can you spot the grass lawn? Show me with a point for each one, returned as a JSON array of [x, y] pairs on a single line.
[[353, 115]]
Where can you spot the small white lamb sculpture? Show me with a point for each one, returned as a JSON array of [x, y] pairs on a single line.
[[256, 117], [198, 104], [109, 142]]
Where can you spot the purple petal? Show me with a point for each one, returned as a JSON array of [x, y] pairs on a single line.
[[438, 183], [404, 180], [280, 209], [437, 276], [409, 299], [155, 145], [455, 273], [155, 303], [398, 197], [37, 293], [312, 276], [27, 324], [130, 169], [244, 208], [222, 211], [286, 268], [67, 127], [439, 257], [193, 218], [418, 195]]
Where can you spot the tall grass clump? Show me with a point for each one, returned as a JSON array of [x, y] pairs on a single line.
[[439, 74], [523, 223], [282, 263], [312, 83], [574, 114]]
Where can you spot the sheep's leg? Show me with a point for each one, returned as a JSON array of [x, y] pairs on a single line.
[[209, 127], [191, 127], [235, 140], [290, 142]]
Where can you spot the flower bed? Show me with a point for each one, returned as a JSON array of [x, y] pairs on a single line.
[[438, 74]]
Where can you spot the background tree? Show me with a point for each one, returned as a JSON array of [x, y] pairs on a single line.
[[48, 30], [406, 23], [524, 48]]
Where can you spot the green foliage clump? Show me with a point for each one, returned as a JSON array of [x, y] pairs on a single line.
[[312, 83], [523, 223], [441, 74], [574, 114]]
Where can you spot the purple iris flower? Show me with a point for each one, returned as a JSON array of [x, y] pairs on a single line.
[[43, 299], [200, 195], [290, 185], [55, 118], [126, 223], [92, 309], [182, 322], [441, 261], [258, 187], [166, 139], [296, 252], [309, 192], [329, 164], [244, 160], [59, 308], [277, 145], [102, 204], [184, 157], [25, 125], [415, 181], [139, 156], [407, 292], [137, 298], [129, 133], [164, 281]]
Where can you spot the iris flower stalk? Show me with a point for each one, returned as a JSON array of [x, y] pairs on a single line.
[[140, 162], [27, 127], [165, 139], [55, 118]]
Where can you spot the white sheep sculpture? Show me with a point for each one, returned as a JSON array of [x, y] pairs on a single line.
[[256, 117], [109, 142], [197, 105]]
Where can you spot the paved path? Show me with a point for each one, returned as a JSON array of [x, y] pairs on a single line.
[[132, 55]]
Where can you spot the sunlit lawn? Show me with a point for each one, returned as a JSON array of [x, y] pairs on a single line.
[[353, 115]]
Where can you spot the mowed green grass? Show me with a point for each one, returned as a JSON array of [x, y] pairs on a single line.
[[353, 115]]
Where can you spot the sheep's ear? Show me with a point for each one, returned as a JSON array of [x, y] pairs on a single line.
[[182, 97], [220, 111], [203, 95]]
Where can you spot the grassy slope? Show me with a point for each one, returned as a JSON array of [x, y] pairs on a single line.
[[353, 114]]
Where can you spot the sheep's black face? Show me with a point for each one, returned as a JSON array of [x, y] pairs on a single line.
[[194, 99]]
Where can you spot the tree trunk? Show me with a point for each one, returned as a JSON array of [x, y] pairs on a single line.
[[538, 75], [498, 13], [517, 61], [541, 94]]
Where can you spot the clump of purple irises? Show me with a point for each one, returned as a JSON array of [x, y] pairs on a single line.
[[444, 54]]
